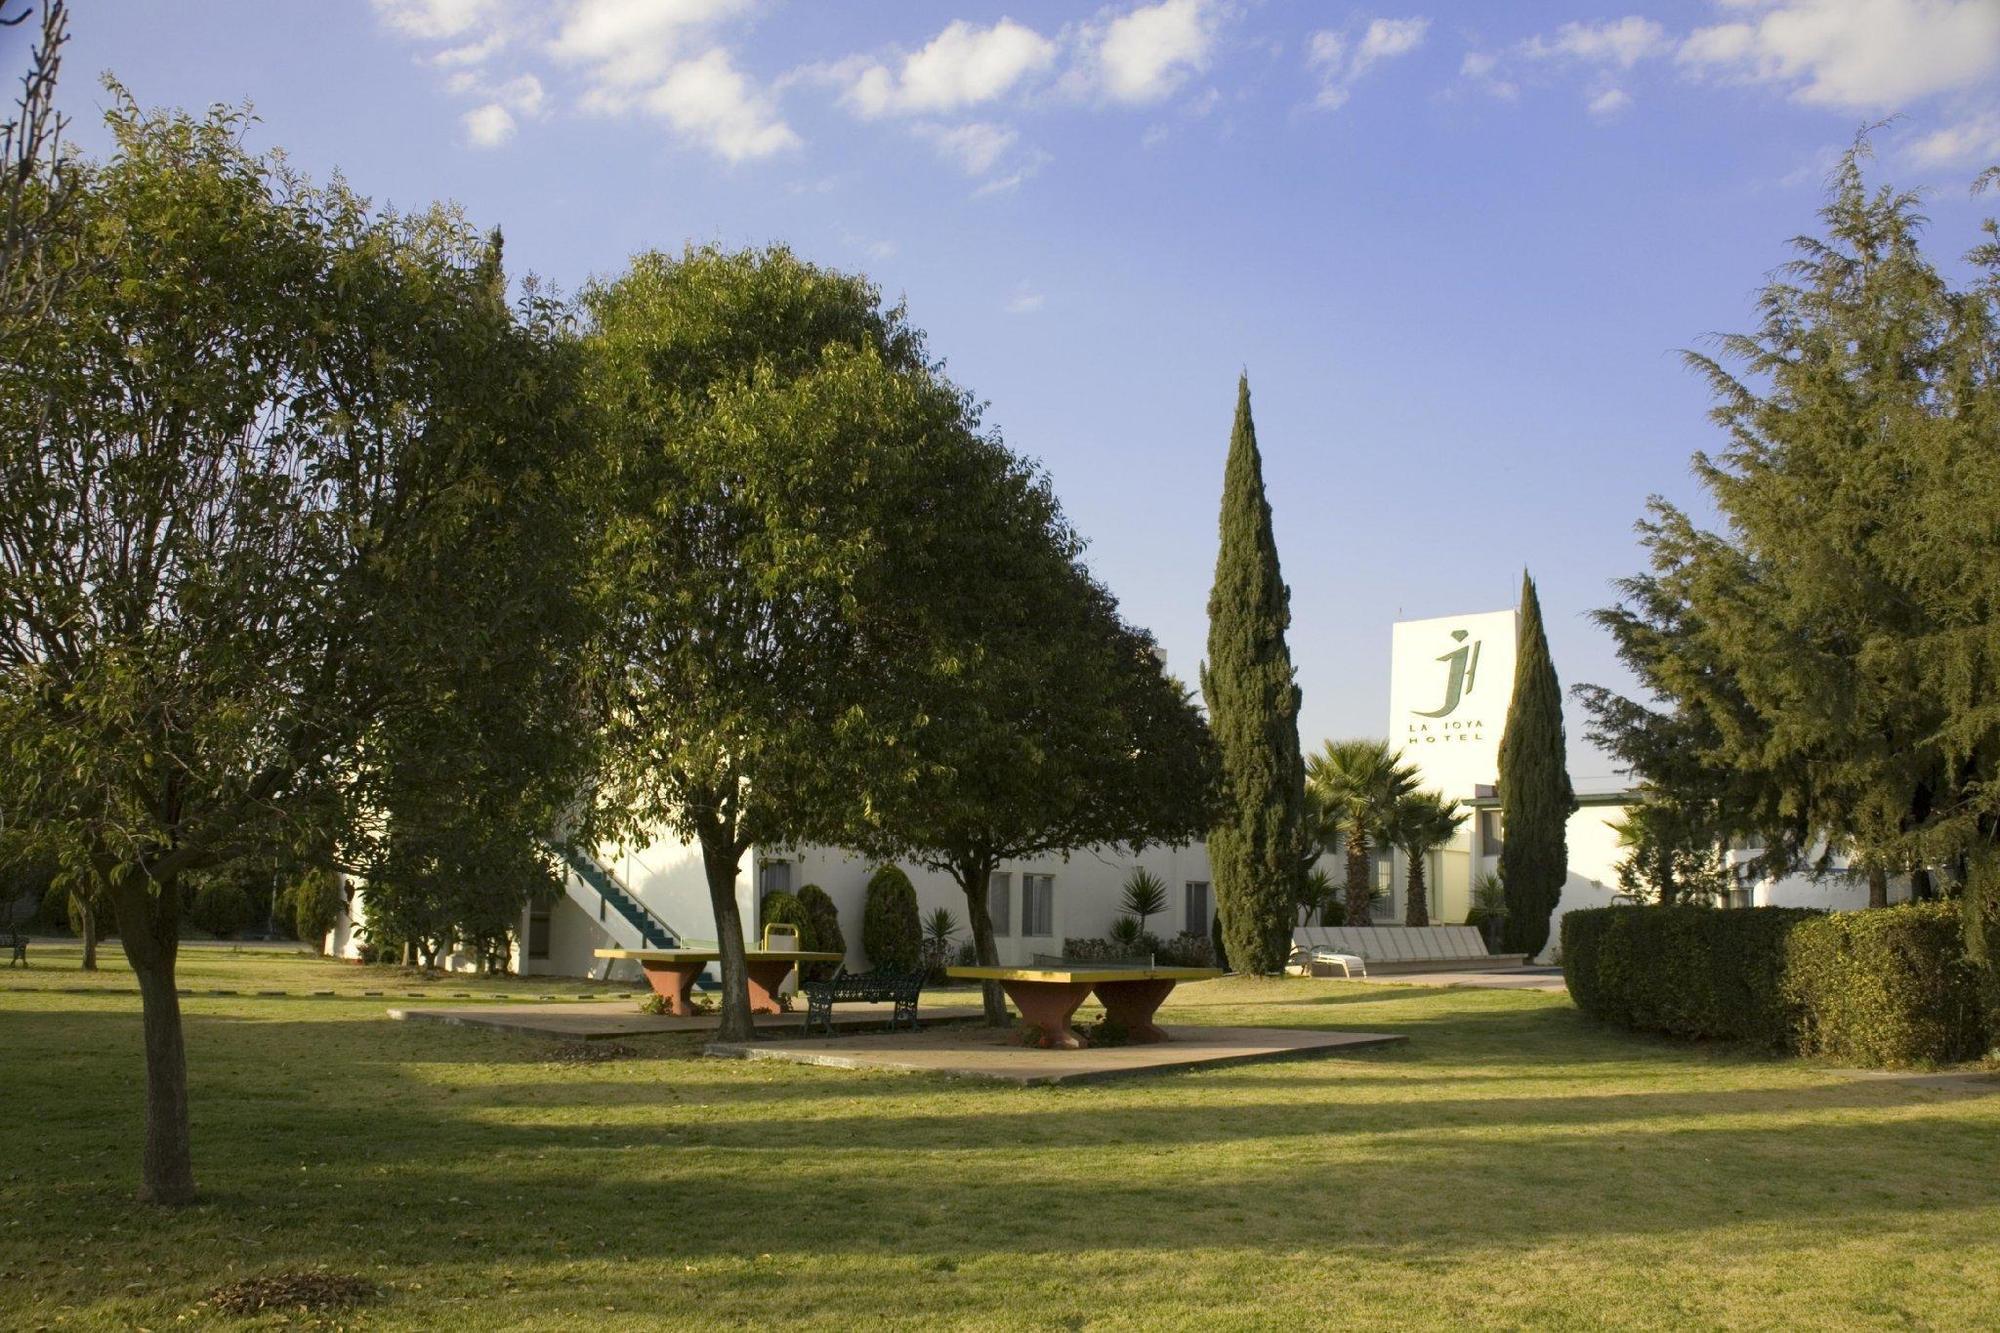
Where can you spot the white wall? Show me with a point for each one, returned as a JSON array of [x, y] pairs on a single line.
[[1086, 892]]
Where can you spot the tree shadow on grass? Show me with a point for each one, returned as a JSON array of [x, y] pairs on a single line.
[[825, 1162]]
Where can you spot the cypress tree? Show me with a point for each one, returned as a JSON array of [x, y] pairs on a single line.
[[1253, 709], [1536, 799]]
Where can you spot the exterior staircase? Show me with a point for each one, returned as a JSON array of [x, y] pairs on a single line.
[[593, 887]]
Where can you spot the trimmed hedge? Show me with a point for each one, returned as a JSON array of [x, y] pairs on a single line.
[[891, 934], [221, 908], [822, 928], [1883, 987], [781, 909], [1887, 987]]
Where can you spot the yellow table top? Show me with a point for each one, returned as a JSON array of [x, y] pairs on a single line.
[[1083, 972], [715, 955]]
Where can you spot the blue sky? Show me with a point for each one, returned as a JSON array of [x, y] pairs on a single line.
[[1456, 245]]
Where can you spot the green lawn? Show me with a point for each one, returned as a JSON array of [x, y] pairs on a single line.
[[1510, 1166]]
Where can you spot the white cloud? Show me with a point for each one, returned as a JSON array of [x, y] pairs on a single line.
[[1621, 42], [434, 20], [1025, 303], [976, 147], [1610, 102], [1483, 68], [1858, 54], [628, 43], [709, 102], [962, 66], [1974, 142], [489, 126], [1342, 62], [1012, 180], [1145, 54]]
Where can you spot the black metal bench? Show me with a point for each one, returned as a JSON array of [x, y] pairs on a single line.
[[899, 988]]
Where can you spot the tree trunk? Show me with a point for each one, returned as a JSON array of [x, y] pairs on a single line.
[[1922, 888], [1878, 886], [972, 877], [89, 915], [1417, 910], [1360, 878], [721, 858], [149, 929]]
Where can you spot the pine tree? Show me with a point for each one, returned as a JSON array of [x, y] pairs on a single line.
[[1253, 709], [1536, 799]]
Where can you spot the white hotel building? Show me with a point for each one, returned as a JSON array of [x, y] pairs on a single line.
[[1450, 682]]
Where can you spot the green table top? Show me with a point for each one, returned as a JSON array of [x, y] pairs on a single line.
[[715, 955], [1081, 973]]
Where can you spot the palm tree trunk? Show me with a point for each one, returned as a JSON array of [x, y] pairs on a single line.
[[1417, 907], [1360, 878]]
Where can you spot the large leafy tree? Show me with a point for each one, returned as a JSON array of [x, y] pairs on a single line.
[[1055, 728], [1675, 852], [1536, 799], [1826, 657], [776, 445], [1257, 843], [251, 421], [1420, 823], [1357, 785]]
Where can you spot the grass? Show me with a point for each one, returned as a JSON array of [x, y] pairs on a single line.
[[1511, 1165]]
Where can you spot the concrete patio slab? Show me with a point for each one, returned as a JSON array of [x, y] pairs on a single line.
[[607, 1021], [997, 1053]]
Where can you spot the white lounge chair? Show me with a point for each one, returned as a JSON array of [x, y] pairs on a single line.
[[1305, 958]]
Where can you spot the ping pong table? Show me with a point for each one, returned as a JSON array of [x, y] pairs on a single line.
[[1048, 992]]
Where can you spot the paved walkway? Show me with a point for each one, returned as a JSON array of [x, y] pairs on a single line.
[[997, 1053]]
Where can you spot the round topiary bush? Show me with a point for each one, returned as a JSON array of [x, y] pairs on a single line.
[[221, 908], [782, 909], [315, 904], [892, 935], [823, 929]]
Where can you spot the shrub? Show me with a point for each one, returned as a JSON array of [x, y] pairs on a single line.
[[782, 909], [891, 934], [314, 903], [1215, 941], [1187, 949], [221, 908], [1889, 986], [823, 929], [1119, 948]]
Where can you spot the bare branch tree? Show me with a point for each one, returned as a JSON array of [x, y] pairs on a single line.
[[37, 184]]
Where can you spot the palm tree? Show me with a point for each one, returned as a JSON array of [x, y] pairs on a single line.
[[1358, 783], [1422, 822], [1145, 895]]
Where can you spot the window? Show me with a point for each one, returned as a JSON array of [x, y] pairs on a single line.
[[538, 929], [1000, 902], [1489, 832], [773, 877], [1744, 896], [1038, 905], [1197, 907]]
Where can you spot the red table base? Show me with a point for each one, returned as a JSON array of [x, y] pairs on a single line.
[[1048, 1005], [1132, 1004], [673, 981], [765, 978]]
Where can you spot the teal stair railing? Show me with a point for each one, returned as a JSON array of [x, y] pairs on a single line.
[[656, 933]]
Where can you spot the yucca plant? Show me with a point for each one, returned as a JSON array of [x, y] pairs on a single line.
[[1145, 895]]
